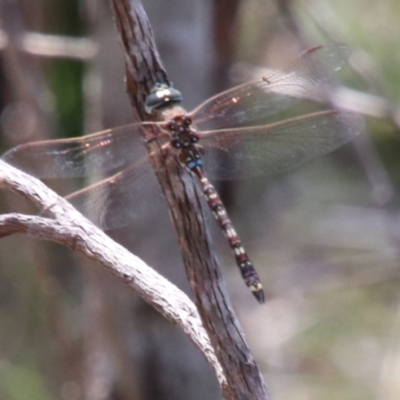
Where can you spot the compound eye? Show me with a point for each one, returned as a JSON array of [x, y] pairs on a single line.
[[162, 95]]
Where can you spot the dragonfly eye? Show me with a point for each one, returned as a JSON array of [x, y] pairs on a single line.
[[161, 96]]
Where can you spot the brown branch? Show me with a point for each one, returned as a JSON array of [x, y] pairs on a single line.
[[71, 229], [143, 66], [142, 62]]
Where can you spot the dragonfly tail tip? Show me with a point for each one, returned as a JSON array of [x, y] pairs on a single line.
[[260, 296]]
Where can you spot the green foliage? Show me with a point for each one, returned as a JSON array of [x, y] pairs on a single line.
[[65, 79], [22, 383]]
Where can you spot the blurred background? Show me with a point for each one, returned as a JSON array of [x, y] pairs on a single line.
[[324, 238]]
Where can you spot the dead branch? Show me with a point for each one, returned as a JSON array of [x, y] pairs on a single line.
[[144, 69]]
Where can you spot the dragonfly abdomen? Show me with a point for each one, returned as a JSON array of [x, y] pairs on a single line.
[[247, 270], [185, 139]]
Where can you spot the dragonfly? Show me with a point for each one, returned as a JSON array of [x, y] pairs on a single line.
[[219, 139]]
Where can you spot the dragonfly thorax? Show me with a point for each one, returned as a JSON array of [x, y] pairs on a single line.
[[185, 138]]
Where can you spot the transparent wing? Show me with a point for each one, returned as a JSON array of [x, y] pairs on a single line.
[[117, 201], [278, 147], [100, 153], [272, 93]]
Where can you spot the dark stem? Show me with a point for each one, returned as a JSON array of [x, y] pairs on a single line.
[[144, 68]]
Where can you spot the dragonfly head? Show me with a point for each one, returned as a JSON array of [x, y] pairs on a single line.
[[161, 96]]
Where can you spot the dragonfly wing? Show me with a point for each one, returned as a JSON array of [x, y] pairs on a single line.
[[278, 147], [272, 93], [99, 153], [120, 199]]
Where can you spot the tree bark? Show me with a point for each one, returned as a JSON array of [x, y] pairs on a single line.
[[144, 70]]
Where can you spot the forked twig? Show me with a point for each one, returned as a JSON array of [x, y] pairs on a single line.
[[71, 229]]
